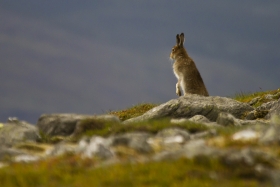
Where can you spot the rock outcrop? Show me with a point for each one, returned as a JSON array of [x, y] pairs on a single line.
[[15, 131], [65, 124], [251, 135], [191, 105]]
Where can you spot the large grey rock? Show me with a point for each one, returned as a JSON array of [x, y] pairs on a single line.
[[17, 131], [191, 105], [65, 124]]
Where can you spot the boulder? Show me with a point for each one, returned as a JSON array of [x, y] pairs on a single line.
[[65, 124], [17, 131], [192, 104]]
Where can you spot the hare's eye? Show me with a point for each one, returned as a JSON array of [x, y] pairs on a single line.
[[173, 49]]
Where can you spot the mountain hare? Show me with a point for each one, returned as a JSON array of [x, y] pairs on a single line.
[[185, 70]]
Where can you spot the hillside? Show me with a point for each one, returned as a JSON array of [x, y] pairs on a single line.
[[188, 141]]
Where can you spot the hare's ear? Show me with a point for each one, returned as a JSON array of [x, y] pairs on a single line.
[[178, 39], [182, 38]]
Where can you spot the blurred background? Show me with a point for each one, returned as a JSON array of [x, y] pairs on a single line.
[[90, 57]]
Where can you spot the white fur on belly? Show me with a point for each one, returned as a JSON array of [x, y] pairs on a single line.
[[177, 76]]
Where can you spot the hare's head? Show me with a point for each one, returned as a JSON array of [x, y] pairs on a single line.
[[179, 47]]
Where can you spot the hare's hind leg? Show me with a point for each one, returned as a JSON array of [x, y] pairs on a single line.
[[178, 91], [184, 87]]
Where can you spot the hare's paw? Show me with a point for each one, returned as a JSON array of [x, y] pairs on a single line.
[[178, 91]]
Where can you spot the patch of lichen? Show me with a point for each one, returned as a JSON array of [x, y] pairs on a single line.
[[134, 111]]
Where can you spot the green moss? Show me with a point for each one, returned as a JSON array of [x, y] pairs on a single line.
[[74, 171], [50, 139], [229, 130], [134, 111], [44, 137]]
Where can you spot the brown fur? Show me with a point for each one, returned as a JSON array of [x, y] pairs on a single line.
[[189, 78]]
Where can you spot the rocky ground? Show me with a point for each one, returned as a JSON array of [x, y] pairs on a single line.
[[243, 137]]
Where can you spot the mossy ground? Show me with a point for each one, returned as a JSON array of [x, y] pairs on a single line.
[[73, 171]]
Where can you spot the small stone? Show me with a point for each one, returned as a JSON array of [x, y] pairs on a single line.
[[198, 147], [136, 141], [272, 133], [254, 101], [246, 135], [98, 146], [251, 115], [174, 139], [267, 106], [179, 121], [199, 119], [173, 132], [61, 149], [227, 119], [12, 120], [268, 97], [276, 96], [275, 110], [26, 158]]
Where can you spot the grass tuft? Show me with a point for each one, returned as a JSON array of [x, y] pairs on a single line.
[[134, 111], [247, 97]]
